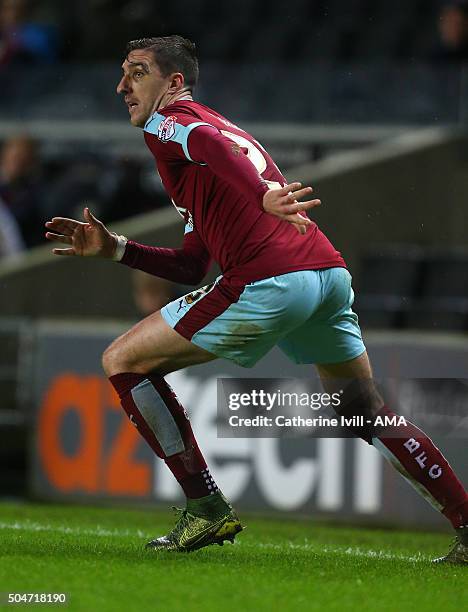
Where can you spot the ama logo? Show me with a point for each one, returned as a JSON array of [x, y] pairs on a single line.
[[166, 129]]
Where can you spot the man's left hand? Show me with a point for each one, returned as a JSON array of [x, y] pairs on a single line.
[[285, 203]]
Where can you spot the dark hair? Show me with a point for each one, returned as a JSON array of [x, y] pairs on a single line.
[[171, 54]]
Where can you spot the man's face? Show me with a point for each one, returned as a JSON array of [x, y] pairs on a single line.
[[142, 85]]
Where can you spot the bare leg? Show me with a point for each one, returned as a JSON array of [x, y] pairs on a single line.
[[359, 367], [152, 346]]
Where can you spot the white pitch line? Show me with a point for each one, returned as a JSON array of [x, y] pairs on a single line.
[[78, 531], [126, 533], [337, 550]]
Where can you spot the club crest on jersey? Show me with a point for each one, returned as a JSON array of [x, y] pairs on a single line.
[[166, 128], [188, 222], [191, 298]]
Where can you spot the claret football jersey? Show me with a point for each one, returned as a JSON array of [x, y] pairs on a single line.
[[216, 175]]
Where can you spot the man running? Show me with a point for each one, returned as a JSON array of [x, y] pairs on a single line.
[[282, 283]]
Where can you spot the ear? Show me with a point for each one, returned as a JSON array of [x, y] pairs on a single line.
[[177, 81]]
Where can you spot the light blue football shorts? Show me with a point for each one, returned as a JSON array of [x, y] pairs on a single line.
[[307, 314]]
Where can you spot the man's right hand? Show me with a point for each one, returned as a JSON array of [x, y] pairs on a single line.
[[89, 239]]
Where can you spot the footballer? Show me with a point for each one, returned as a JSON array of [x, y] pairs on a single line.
[[283, 283]]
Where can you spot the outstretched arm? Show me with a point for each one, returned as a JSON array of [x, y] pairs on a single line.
[[91, 238]]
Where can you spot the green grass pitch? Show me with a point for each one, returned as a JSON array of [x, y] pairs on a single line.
[[96, 556]]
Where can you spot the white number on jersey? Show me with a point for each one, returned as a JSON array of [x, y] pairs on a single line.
[[253, 152]]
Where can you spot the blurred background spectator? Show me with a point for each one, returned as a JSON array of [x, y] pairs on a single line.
[[453, 33], [76, 186], [114, 189], [21, 187], [11, 242], [23, 40], [126, 190]]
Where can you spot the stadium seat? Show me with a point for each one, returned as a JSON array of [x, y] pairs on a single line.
[[389, 276], [443, 302]]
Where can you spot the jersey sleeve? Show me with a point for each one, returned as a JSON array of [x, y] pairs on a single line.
[[187, 265], [181, 136], [167, 135]]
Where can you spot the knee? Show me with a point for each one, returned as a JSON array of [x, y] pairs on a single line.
[[112, 361], [360, 405], [118, 358]]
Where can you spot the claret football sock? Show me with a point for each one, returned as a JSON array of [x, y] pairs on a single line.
[[153, 407], [422, 464]]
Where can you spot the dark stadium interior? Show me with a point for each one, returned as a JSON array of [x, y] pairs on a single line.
[[334, 63], [354, 52]]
